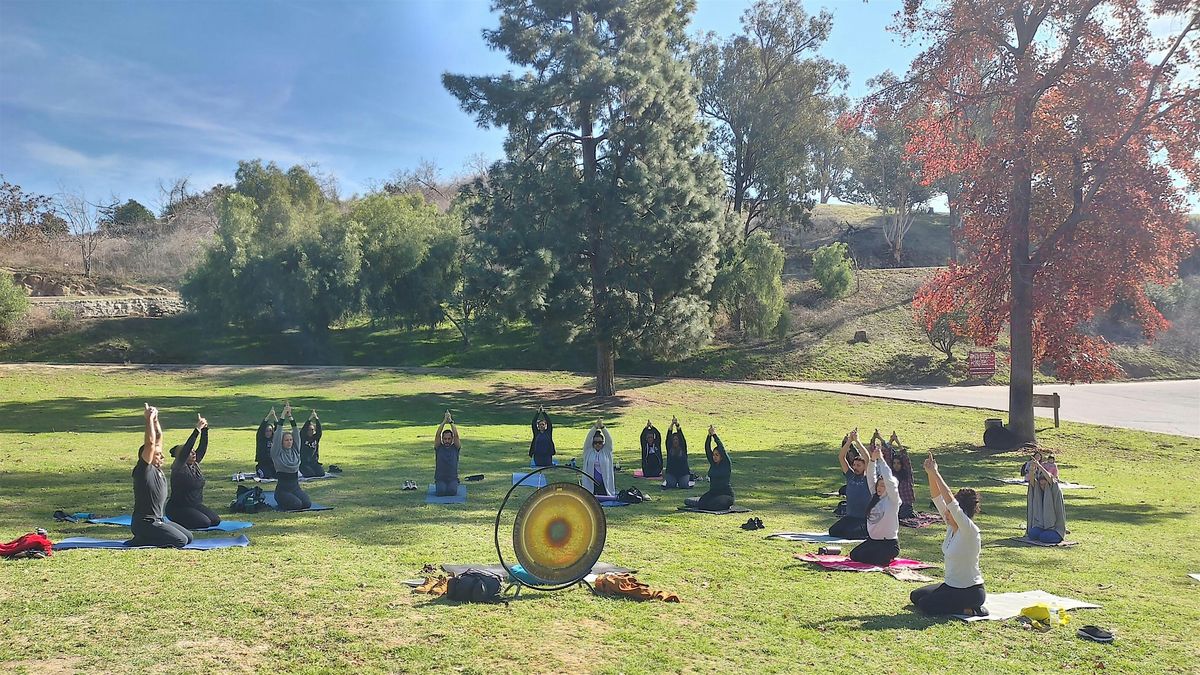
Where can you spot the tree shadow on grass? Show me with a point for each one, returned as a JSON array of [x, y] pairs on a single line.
[[912, 369], [904, 620]]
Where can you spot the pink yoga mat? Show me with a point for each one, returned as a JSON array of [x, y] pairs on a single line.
[[843, 563], [637, 473]]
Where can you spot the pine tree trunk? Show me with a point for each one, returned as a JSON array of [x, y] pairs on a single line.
[[1020, 385], [605, 370]]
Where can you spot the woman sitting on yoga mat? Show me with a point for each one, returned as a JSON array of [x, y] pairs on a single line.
[[541, 446], [854, 524], [446, 448], [896, 456], [285, 453], [720, 492], [263, 466], [652, 458], [1046, 517], [310, 447], [962, 592], [150, 494], [677, 473], [883, 515], [186, 504], [598, 461]]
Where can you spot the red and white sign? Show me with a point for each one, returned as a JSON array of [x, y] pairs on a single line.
[[981, 364]]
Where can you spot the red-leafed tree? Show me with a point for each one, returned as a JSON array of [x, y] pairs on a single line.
[[1072, 130]]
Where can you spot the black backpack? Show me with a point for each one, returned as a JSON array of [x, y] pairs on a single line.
[[632, 496], [474, 586], [248, 500]]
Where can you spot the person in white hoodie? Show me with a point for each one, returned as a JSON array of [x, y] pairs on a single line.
[[598, 461], [883, 515]]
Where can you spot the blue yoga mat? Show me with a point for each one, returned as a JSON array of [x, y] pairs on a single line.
[[270, 500], [460, 498], [535, 482], [223, 526], [614, 503], [119, 544]]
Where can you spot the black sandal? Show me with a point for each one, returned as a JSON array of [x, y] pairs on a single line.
[[750, 525], [1095, 634]]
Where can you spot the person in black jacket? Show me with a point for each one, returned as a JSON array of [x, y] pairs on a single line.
[[720, 472], [652, 458], [263, 466], [186, 503], [310, 447], [541, 447], [150, 494], [678, 474]]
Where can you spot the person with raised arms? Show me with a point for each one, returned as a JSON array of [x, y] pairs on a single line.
[[541, 446], [896, 456], [310, 447], [853, 525], [446, 449], [1045, 512], [186, 504], [263, 466], [882, 544], [150, 493], [720, 472], [677, 473], [962, 592], [598, 461], [652, 456], [285, 454]]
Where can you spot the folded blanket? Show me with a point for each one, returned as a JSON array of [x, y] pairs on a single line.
[[1002, 606], [1034, 542], [119, 544], [843, 563], [223, 526], [812, 538], [627, 586], [922, 519]]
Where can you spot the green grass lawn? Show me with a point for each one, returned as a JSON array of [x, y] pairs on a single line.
[[324, 592]]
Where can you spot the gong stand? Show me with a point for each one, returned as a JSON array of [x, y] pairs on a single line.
[[518, 582]]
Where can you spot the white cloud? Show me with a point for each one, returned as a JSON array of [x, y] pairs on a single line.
[[61, 156]]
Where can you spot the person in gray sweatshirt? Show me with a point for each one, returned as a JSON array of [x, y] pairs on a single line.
[[1045, 512], [285, 455]]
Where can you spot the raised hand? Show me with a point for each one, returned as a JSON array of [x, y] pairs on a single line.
[[201, 423], [712, 431], [148, 413], [876, 453], [930, 463], [854, 434]]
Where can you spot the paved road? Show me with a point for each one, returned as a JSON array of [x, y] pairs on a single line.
[[1168, 407]]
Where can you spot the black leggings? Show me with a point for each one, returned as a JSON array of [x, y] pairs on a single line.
[[312, 470], [943, 599], [158, 533], [710, 501], [849, 528], [288, 494], [193, 517], [879, 552]]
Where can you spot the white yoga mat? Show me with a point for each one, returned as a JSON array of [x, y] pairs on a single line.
[[1004, 606], [1031, 542], [813, 537], [1195, 576]]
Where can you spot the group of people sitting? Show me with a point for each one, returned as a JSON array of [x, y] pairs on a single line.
[[879, 492]]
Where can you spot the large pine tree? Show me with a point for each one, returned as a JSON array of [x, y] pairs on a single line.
[[606, 207]]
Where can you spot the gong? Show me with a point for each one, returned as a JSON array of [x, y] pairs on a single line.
[[558, 534]]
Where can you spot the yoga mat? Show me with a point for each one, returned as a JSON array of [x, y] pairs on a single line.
[[637, 473], [614, 503], [598, 568], [239, 477], [460, 498], [119, 544], [813, 538], [1003, 606], [1062, 485], [270, 501], [842, 563], [535, 482], [733, 509], [922, 519], [1195, 576], [1031, 542], [223, 526]]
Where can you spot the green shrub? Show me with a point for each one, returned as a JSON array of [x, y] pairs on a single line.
[[13, 304], [784, 324], [831, 268], [63, 314]]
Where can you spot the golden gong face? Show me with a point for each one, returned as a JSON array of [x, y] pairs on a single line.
[[559, 533]]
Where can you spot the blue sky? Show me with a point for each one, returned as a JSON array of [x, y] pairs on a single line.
[[112, 97]]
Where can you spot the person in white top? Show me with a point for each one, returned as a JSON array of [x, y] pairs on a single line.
[[883, 515], [962, 592], [598, 461]]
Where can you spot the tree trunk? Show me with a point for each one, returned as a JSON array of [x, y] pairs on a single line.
[[953, 188], [824, 194], [1020, 385], [605, 371]]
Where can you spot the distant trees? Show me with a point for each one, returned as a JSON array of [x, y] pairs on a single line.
[[753, 290], [128, 218], [26, 214]]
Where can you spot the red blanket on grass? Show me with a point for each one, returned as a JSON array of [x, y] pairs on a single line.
[[29, 542], [843, 563]]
